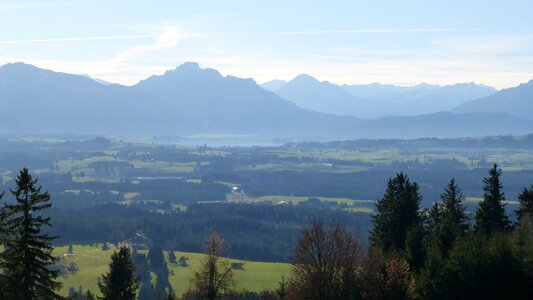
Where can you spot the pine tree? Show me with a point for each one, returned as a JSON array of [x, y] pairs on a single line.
[[282, 290], [526, 204], [490, 215], [27, 255], [397, 214], [448, 218], [449, 222], [120, 283]]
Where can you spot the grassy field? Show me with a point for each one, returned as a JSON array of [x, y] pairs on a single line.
[[365, 206], [93, 262], [291, 199]]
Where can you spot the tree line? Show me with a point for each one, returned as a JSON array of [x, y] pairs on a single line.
[[438, 253]]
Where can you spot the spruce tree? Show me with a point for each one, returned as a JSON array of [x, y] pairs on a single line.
[[120, 283], [397, 214], [453, 207], [27, 255], [490, 215], [448, 218], [526, 204], [449, 222]]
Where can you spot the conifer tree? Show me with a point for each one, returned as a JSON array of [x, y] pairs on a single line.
[[449, 222], [27, 255], [120, 283], [490, 215], [526, 204], [397, 214], [448, 218]]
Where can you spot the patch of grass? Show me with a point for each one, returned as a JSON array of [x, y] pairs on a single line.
[[130, 196], [292, 199], [93, 262], [164, 166], [257, 276], [367, 210], [478, 199]]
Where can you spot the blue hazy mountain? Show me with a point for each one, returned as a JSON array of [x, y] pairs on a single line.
[[446, 124], [516, 101], [273, 85], [35, 100], [420, 99], [377, 100], [213, 103], [307, 92], [192, 100]]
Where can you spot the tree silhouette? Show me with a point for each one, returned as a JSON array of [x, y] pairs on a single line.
[[215, 277], [325, 263], [526, 204], [27, 257], [120, 283], [398, 222], [490, 215]]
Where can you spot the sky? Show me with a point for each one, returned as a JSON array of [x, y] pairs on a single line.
[[345, 42]]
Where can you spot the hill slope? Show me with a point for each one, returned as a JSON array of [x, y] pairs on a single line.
[[53, 102], [516, 101]]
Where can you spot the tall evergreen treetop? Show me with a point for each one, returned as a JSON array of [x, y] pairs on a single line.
[[397, 212], [451, 208], [120, 283], [27, 255], [490, 215]]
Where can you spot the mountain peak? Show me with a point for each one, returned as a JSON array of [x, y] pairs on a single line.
[[19, 66], [190, 65], [305, 78]]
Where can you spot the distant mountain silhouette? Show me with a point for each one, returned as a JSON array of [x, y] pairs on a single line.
[[516, 101], [446, 124], [210, 102], [42, 101], [389, 100], [307, 92], [377, 100], [273, 85], [191, 100]]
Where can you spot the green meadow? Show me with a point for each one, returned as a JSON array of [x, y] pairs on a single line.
[[92, 262]]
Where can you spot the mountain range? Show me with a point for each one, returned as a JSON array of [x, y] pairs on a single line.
[[375, 100], [191, 100]]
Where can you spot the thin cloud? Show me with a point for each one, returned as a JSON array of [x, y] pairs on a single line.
[[167, 39], [76, 39], [349, 31], [310, 32], [29, 5]]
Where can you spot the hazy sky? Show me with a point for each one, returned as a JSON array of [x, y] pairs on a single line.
[[398, 42]]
